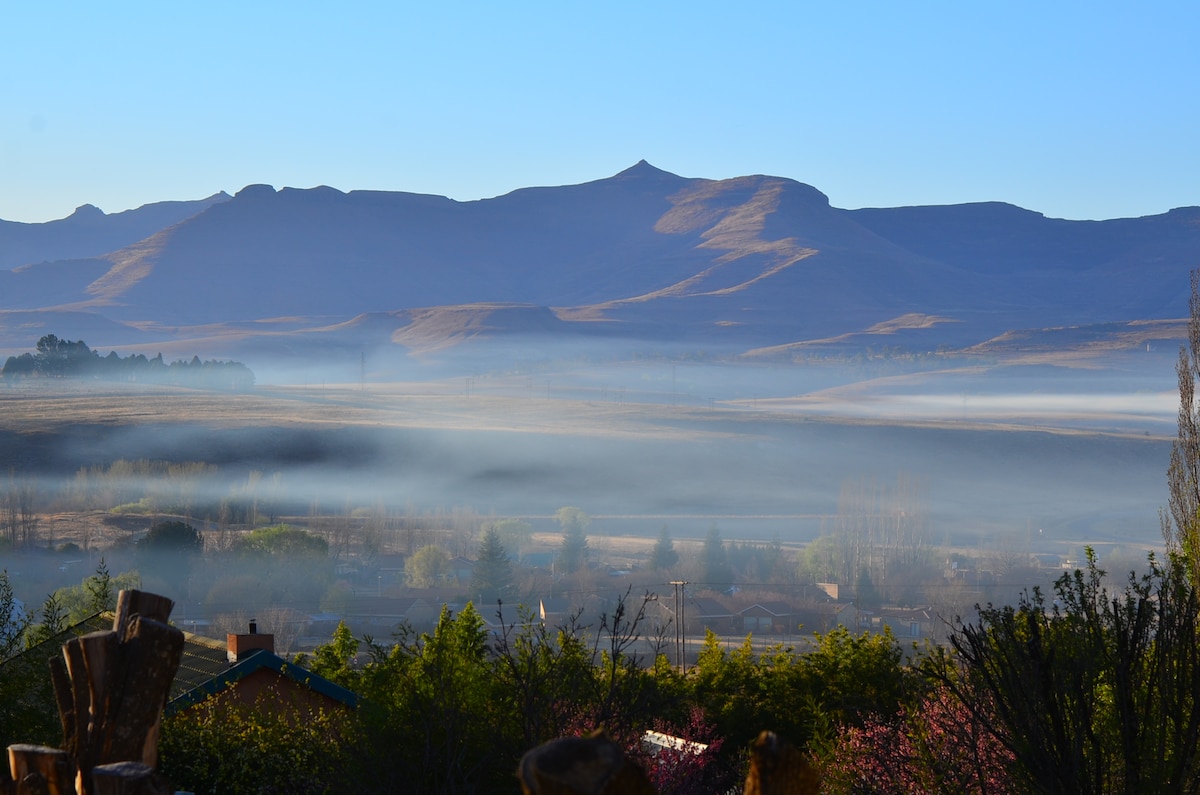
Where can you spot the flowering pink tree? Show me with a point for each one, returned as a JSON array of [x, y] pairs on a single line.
[[937, 747], [693, 768]]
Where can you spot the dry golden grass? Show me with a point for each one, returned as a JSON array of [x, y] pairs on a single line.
[[47, 406]]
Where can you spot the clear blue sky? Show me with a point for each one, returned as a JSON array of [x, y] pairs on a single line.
[[1072, 109]]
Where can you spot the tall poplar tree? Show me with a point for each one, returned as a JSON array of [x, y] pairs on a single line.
[[1181, 523]]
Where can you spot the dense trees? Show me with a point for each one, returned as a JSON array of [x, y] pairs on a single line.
[[58, 358], [227, 748], [453, 709], [172, 538], [284, 541], [1094, 692]]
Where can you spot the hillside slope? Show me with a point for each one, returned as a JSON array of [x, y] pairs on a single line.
[[751, 263]]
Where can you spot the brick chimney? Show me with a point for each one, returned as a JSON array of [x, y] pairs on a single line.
[[241, 645]]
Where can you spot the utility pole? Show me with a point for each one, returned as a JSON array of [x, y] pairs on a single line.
[[680, 626]]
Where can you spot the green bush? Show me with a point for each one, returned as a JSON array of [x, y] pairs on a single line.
[[224, 748]]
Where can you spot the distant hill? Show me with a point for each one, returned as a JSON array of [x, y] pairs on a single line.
[[89, 232], [643, 259]]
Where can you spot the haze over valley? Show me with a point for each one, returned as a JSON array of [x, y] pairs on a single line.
[[659, 351]]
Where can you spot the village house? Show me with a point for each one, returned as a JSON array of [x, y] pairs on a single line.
[[770, 618], [246, 670]]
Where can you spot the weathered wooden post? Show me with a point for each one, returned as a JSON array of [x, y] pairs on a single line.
[[36, 768], [110, 688]]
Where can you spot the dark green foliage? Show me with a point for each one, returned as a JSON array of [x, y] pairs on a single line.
[[529, 655], [13, 621], [573, 554], [867, 596], [663, 556], [225, 748], [172, 538], [28, 711], [18, 366], [761, 563], [53, 621], [843, 682], [1095, 692], [57, 358], [96, 593], [429, 721], [514, 533], [170, 551], [99, 589], [334, 660], [453, 710], [717, 571], [492, 579], [284, 541]]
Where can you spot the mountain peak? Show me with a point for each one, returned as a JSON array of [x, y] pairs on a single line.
[[254, 191], [86, 211], [641, 169]]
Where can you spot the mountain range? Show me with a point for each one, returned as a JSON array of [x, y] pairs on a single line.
[[644, 260]]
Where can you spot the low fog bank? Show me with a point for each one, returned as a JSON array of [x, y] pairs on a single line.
[[779, 473], [831, 471], [762, 450]]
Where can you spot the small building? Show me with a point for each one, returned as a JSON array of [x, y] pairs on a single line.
[[702, 613], [250, 674], [848, 615], [770, 618], [461, 570], [909, 622]]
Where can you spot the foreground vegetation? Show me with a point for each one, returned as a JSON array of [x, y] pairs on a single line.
[[1094, 692], [1090, 691]]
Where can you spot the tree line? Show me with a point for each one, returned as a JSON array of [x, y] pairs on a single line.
[[60, 358]]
